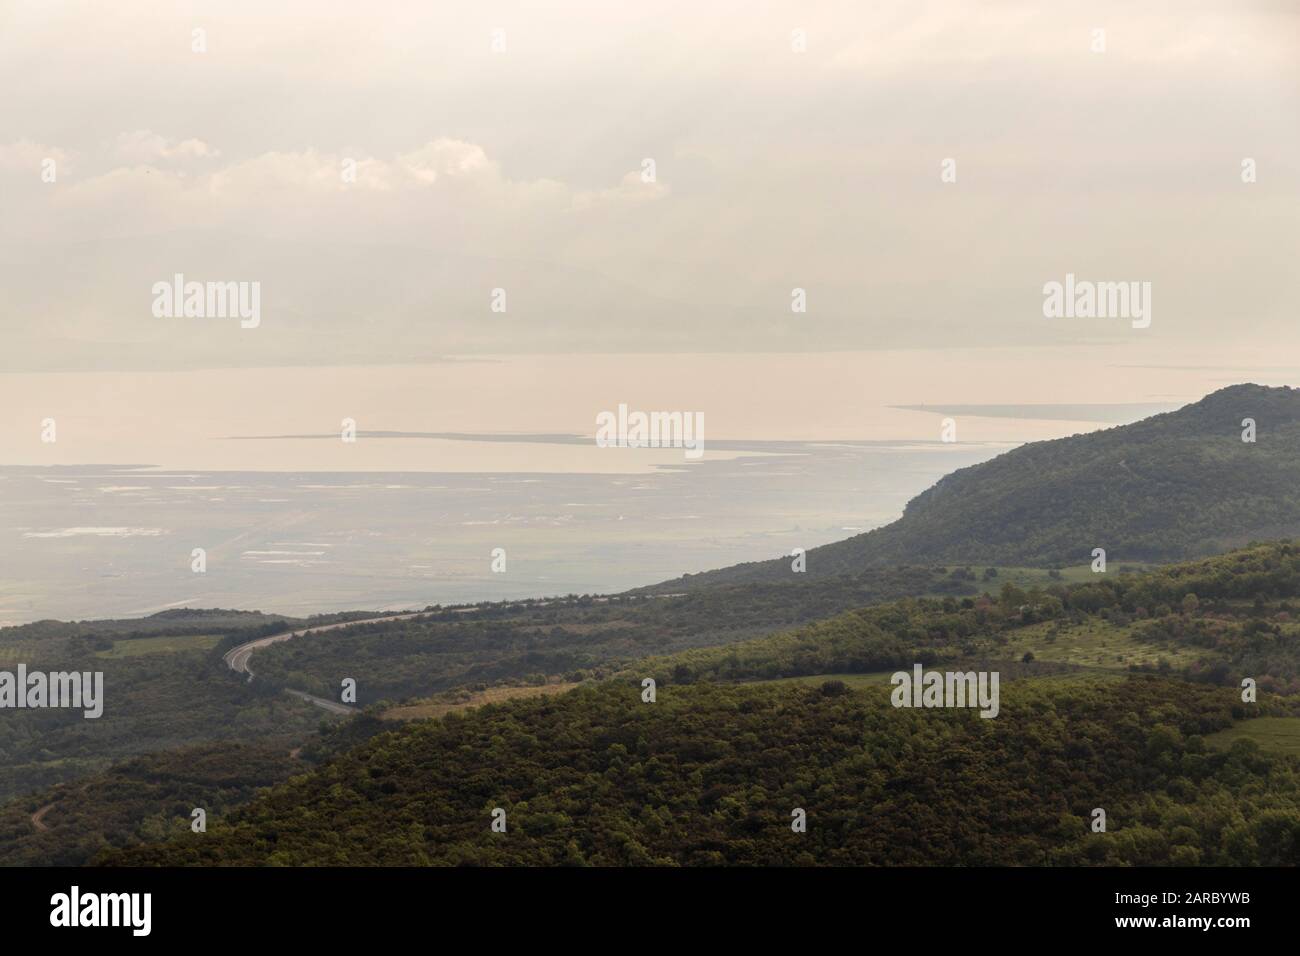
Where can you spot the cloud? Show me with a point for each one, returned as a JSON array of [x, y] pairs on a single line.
[[143, 146], [24, 156], [305, 192], [632, 189], [378, 180], [447, 157]]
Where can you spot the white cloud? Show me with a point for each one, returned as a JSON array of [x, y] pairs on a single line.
[[447, 157], [307, 192], [143, 146], [632, 189], [776, 170], [26, 156]]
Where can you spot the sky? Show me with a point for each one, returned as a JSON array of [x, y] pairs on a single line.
[[505, 146], [827, 229]]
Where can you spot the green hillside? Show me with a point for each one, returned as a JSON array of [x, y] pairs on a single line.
[[574, 638], [1173, 486], [144, 798], [711, 774], [165, 686], [1110, 689]]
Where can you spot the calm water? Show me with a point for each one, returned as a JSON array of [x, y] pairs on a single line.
[[103, 541]]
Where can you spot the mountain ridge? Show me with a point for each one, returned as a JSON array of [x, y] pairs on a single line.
[[1173, 486]]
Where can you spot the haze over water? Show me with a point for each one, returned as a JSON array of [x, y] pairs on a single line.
[[477, 454]]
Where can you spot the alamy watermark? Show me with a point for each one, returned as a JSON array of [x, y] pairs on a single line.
[[954, 689], [1083, 299], [626, 429], [75, 908], [37, 689], [208, 300]]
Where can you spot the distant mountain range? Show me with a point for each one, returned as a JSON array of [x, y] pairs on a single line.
[[1178, 485]]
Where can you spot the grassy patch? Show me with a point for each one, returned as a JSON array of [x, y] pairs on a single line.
[[18, 652], [164, 644], [1273, 734], [447, 703], [852, 681], [1038, 577], [1093, 644]]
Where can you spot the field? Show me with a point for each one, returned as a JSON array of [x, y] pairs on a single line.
[[1037, 577], [163, 644], [881, 679], [449, 703], [17, 653], [852, 681], [1092, 644], [1274, 734]]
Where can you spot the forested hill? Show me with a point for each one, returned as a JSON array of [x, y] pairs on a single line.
[[1122, 693], [1173, 486]]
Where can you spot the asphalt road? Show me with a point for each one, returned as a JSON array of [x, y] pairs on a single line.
[[238, 658]]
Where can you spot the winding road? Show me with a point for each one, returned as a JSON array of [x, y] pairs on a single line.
[[238, 658], [38, 818]]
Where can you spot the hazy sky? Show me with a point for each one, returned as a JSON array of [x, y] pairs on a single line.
[[521, 170], [920, 169]]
